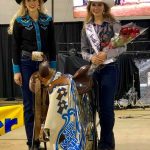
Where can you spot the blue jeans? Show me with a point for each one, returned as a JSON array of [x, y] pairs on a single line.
[[28, 67], [105, 87]]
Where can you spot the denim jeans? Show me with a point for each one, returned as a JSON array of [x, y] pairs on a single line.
[[28, 67], [105, 87]]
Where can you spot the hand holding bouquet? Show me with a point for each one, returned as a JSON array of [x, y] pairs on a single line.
[[97, 59], [127, 33]]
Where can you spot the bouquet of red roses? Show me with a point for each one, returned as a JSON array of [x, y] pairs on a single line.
[[127, 33]]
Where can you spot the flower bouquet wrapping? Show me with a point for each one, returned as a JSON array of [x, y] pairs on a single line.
[[127, 34]]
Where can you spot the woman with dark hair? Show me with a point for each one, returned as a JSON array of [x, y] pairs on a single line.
[[32, 30], [99, 27]]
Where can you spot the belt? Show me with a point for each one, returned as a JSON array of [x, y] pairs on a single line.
[[26, 53]]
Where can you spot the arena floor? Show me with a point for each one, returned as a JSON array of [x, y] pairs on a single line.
[[132, 132]]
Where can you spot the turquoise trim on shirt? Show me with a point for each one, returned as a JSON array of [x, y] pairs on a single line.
[[25, 21], [38, 37], [53, 64], [44, 20], [16, 69]]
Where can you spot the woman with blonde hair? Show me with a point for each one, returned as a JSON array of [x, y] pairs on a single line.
[[99, 27], [32, 30]]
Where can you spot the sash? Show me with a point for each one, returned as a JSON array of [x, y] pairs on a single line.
[[93, 37], [95, 42]]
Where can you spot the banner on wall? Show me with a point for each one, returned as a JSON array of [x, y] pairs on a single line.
[[11, 117], [123, 8]]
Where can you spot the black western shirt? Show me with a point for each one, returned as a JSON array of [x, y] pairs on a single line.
[[29, 35]]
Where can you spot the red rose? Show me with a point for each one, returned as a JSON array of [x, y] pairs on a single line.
[[136, 30], [133, 35], [130, 30], [124, 31]]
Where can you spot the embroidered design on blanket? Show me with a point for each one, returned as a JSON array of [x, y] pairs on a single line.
[[66, 131]]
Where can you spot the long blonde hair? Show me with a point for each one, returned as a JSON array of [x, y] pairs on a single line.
[[21, 12], [107, 15]]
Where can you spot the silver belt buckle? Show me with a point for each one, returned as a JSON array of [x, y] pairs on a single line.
[[37, 56]]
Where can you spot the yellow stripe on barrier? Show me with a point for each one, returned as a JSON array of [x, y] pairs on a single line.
[[11, 117]]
